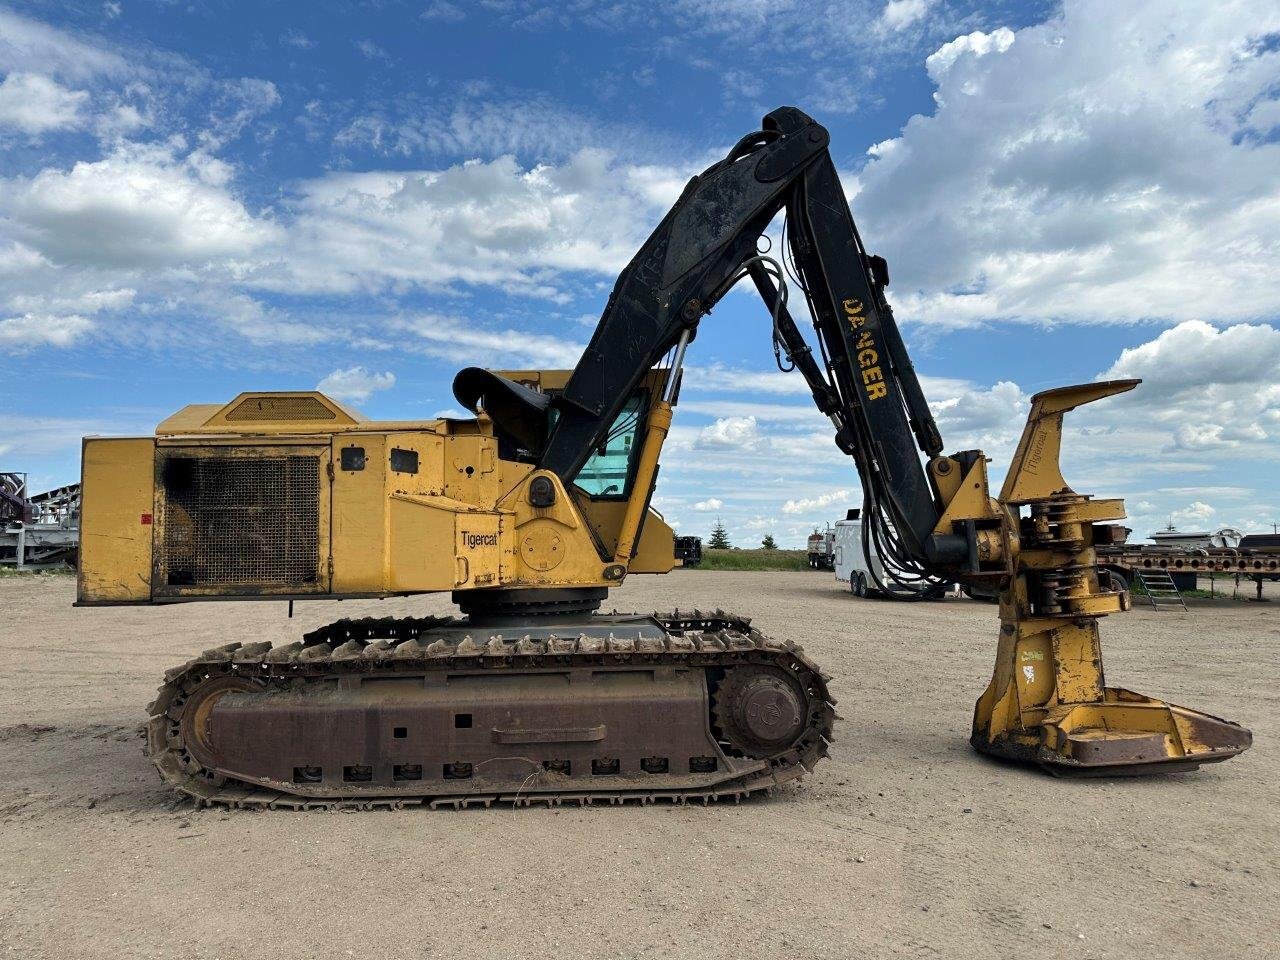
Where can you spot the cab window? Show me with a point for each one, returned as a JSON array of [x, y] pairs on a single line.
[[607, 475]]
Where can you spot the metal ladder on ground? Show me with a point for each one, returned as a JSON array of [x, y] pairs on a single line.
[[1162, 592]]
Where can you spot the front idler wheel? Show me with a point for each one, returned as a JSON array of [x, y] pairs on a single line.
[[195, 722]]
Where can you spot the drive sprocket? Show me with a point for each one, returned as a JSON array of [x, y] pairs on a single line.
[[760, 710]]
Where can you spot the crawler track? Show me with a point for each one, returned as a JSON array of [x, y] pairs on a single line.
[[345, 653]]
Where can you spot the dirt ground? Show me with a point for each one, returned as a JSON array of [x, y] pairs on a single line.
[[904, 844]]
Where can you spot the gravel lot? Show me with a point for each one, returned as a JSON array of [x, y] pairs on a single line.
[[905, 843]]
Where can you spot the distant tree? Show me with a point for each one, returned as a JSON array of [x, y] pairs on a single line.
[[719, 537], [768, 542]]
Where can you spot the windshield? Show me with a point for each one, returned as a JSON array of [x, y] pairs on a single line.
[[607, 475]]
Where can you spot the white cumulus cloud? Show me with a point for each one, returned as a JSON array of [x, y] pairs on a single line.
[[488, 223], [900, 14], [731, 433], [1092, 168], [821, 502], [1207, 389], [1195, 354], [976, 44], [355, 384], [990, 419], [34, 104], [1196, 511], [140, 207], [33, 330], [31, 46], [709, 505]]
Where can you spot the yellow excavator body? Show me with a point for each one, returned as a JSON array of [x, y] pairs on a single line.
[[340, 507]]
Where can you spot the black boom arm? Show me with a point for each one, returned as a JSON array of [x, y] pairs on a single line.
[[864, 383]]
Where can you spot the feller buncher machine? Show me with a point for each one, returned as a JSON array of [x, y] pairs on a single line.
[[533, 510]]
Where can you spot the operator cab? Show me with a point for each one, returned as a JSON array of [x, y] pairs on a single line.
[[521, 404]]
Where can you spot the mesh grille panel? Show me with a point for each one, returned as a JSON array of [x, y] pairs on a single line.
[[241, 520], [280, 408]]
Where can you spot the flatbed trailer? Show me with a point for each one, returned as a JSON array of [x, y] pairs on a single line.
[[1187, 566]]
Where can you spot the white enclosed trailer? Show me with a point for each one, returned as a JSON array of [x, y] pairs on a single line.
[[852, 566]]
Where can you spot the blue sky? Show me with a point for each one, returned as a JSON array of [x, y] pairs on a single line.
[[198, 199]]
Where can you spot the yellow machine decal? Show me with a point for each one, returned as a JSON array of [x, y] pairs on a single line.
[[867, 356]]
